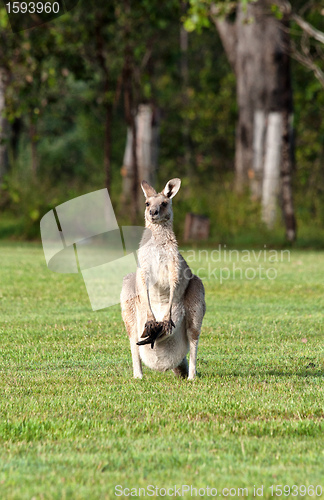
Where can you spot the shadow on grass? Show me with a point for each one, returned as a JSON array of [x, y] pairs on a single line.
[[262, 374]]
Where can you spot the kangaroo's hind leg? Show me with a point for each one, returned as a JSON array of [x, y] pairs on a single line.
[[127, 301], [194, 302]]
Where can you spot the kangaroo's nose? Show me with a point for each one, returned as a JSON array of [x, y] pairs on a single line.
[[154, 211]]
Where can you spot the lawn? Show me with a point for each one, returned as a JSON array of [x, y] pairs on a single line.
[[74, 424]]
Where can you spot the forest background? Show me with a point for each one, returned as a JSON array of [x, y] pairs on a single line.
[[71, 88]]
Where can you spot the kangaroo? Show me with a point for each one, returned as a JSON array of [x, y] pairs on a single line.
[[163, 300]]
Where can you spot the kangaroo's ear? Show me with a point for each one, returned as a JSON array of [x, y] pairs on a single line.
[[171, 188], [147, 189]]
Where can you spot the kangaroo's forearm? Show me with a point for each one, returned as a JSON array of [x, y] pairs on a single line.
[[173, 279], [145, 293], [149, 302]]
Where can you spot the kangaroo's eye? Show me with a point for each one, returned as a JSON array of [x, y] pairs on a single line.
[[164, 204], [147, 204]]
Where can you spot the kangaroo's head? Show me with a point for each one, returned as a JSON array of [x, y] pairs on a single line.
[[159, 205]]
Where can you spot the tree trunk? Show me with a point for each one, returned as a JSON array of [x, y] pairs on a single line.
[[286, 182], [135, 186], [106, 100], [130, 107], [270, 188], [257, 46], [184, 43], [147, 136], [287, 142], [4, 161], [279, 102], [243, 41], [247, 80], [130, 113], [127, 168], [147, 142], [256, 174], [107, 138], [33, 145]]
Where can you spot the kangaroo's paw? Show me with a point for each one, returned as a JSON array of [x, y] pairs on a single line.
[[167, 326]]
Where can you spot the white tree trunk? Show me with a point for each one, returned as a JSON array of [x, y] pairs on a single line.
[[258, 153], [144, 119], [147, 135], [272, 161], [127, 168]]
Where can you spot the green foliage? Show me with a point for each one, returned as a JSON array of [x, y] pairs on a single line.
[[198, 15], [74, 423], [28, 202], [236, 220], [309, 128], [275, 9], [58, 92]]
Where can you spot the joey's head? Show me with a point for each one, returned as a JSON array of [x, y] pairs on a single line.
[[159, 205]]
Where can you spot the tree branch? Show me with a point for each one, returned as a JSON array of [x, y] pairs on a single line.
[[308, 28], [308, 63], [227, 33]]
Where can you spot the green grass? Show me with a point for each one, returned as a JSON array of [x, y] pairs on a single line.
[[74, 423]]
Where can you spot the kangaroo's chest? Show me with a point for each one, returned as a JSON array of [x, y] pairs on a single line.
[[158, 270]]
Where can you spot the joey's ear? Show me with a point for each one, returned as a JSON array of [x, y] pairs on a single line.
[[171, 188], [147, 189]]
